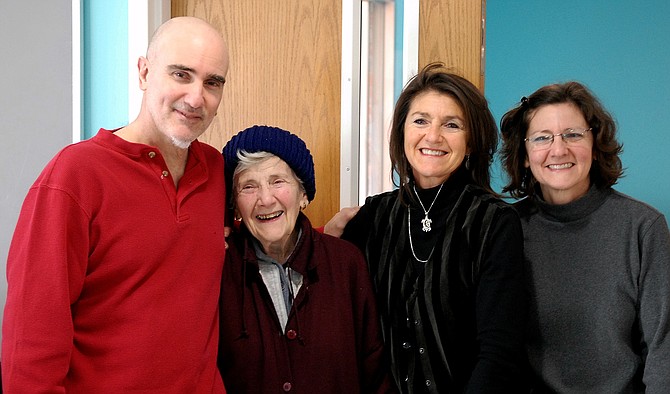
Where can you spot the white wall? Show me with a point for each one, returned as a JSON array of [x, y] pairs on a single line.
[[35, 103]]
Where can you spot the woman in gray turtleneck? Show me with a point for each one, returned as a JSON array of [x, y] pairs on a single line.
[[598, 260]]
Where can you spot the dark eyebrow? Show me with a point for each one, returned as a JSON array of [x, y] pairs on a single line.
[[173, 67], [426, 114], [182, 67]]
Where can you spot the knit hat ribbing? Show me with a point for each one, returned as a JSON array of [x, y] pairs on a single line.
[[288, 147]]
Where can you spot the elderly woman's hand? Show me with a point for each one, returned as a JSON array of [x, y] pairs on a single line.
[[226, 233], [336, 224]]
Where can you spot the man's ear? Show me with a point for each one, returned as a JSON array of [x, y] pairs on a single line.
[[143, 71]]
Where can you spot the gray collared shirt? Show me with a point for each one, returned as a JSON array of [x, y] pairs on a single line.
[[276, 278]]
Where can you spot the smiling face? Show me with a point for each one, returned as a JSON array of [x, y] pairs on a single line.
[[435, 138], [268, 199], [182, 78], [562, 170]]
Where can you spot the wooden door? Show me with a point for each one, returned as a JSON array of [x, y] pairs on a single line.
[[286, 59], [285, 66], [452, 31]]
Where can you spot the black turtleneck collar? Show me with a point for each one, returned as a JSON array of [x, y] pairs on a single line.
[[453, 187]]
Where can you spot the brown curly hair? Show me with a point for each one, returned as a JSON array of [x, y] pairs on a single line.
[[606, 168]]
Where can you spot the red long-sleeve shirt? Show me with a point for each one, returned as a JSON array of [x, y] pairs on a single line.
[[114, 274]]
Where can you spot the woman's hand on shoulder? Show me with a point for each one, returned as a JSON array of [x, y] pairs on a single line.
[[336, 224]]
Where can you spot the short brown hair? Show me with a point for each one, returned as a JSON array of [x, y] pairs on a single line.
[[606, 168]]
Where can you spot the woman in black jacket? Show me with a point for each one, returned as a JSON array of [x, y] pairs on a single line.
[[445, 255]]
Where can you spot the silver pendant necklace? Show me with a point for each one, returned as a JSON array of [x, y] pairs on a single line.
[[426, 221], [411, 245]]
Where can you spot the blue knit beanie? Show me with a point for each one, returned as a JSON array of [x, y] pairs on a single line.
[[288, 147]]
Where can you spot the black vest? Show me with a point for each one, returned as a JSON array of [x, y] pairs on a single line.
[[428, 317]]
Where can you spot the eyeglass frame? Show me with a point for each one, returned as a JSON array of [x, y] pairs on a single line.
[[542, 146]]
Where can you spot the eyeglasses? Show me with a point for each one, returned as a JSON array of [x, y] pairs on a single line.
[[543, 139]]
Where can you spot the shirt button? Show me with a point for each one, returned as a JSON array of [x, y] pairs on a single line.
[[421, 350], [428, 383], [152, 155], [406, 345], [417, 322], [165, 174], [291, 334], [286, 386]]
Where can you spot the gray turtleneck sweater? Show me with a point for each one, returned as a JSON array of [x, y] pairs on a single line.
[[599, 282]]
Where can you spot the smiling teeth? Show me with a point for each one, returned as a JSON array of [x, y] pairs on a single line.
[[560, 166], [432, 152], [270, 216]]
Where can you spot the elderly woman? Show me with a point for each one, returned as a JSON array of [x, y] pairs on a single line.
[[599, 260], [445, 255], [297, 309]]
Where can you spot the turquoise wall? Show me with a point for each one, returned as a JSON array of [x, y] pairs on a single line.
[[105, 65], [618, 48], [397, 55]]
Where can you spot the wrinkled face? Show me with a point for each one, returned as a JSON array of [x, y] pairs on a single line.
[[268, 200], [562, 169], [435, 138], [182, 80]]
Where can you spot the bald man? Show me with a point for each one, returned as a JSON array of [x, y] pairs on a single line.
[[115, 265]]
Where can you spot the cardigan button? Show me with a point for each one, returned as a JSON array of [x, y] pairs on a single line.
[[291, 334], [287, 386]]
